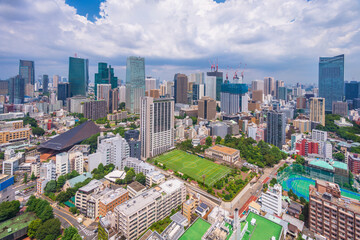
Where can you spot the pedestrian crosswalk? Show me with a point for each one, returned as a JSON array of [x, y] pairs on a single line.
[[83, 229]]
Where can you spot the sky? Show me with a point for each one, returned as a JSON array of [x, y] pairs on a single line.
[[279, 38]]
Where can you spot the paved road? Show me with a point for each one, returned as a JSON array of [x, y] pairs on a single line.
[[67, 219]]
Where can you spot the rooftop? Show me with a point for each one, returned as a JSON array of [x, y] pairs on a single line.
[[93, 184], [263, 228], [71, 137], [322, 164], [136, 186], [171, 186], [14, 224], [79, 178], [340, 165], [224, 149], [132, 206], [196, 230], [113, 195]]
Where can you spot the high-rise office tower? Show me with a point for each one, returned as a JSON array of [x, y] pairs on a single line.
[[63, 91], [269, 86], [210, 86], [114, 100], [56, 80], [278, 84], [122, 94], [197, 78], [135, 83], [234, 98], [207, 108], [45, 83], [132, 138], [103, 93], [340, 108], [180, 90], [4, 87], [352, 90], [282, 93], [16, 90], [163, 89], [257, 85], [94, 109], [275, 132], [317, 110], [170, 89], [78, 76], [198, 92], [150, 83], [156, 126], [331, 80], [219, 80], [105, 75], [27, 72]]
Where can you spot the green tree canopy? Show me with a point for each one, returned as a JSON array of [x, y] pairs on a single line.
[[140, 177], [69, 233], [50, 186], [33, 227], [9, 209], [38, 131], [50, 230]]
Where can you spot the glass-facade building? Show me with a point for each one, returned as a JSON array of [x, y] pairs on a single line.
[[233, 99], [63, 92], [135, 83], [275, 131], [352, 90], [27, 71], [282, 93], [16, 90], [45, 83], [331, 80], [105, 75], [219, 81], [78, 76]]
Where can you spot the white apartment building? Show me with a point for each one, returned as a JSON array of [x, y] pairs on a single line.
[[111, 149], [48, 170], [76, 161], [94, 200], [156, 126], [62, 164], [318, 135], [84, 193], [154, 177], [134, 216], [138, 165], [271, 200]]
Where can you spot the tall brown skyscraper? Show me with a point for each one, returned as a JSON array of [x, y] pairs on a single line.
[[207, 108], [269, 86], [181, 88], [317, 110]]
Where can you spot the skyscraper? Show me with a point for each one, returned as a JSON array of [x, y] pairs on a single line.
[[275, 132], [78, 76], [63, 91], [122, 94], [331, 80], [317, 110], [180, 91], [210, 86], [269, 85], [156, 126], [105, 75], [207, 108], [282, 91], [150, 83], [234, 98], [16, 90], [257, 85], [56, 80], [135, 83], [27, 72], [219, 80], [103, 93], [278, 84], [45, 83], [352, 90]]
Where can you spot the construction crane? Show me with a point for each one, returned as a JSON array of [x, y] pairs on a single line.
[[242, 73]]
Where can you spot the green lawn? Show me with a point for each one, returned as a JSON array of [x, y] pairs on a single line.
[[263, 228], [193, 166], [196, 231], [15, 224]]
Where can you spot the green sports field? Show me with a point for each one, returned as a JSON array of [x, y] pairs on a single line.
[[193, 166]]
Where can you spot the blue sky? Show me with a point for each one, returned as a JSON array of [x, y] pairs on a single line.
[[279, 38]]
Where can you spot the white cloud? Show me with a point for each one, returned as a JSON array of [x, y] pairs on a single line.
[[271, 36]]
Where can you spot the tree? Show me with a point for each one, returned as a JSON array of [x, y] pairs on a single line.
[[46, 214], [76, 237], [140, 177], [50, 186], [62, 197], [302, 200], [218, 140], [33, 227], [273, 182], [227, 138], [73, 210], [69, 233], [38, 131], [9, 209], [25, 180], [339, 156], [129, 176], [33, 177], [208, 141], [50, 228], [122, 106], [60, 182]]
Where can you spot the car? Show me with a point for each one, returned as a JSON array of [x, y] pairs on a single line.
[[96, 230]]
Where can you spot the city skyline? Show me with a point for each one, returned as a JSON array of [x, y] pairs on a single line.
[[286, 46]]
